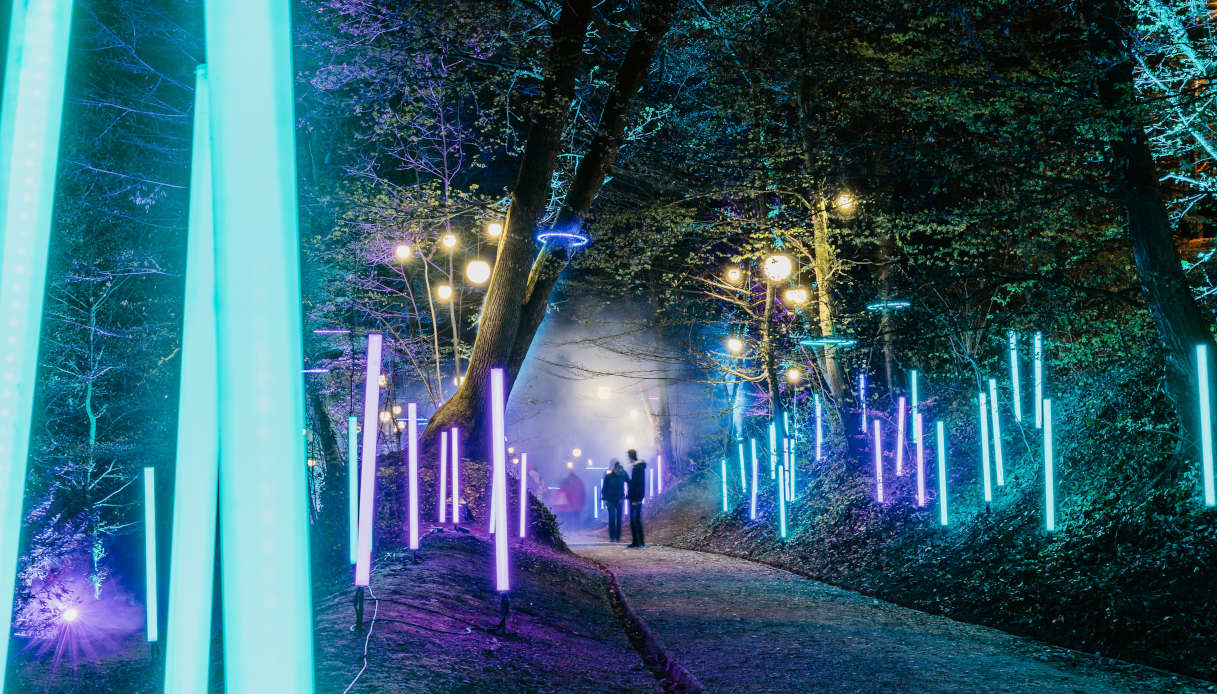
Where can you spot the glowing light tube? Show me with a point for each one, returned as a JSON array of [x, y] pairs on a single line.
[[1016, 387], [819, 431], [197, 464], [942, 474], [998, 464], [862, 399], [900, 436], [524, 496], [595, 503], [1049, 474], [454, 439], [752, 506], [353, 484], [412, 464], [367, 473], [782, 506], [150, 592], [29, 150], [1037, 367], [659, 472], [1206, 425], [724, 484], [443, 477], [787, 462], [878, 464], [986, 475], [743, 475], [498, 407], [915, 402], [773, 450], [917, 435], [268, 630], [650, 483]]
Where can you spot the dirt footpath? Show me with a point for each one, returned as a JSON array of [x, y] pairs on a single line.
[[743, 627]]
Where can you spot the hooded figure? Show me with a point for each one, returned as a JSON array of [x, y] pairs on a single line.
[[638, 492], [612, 491]]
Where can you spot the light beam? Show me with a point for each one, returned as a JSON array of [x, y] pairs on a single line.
[[443, 477], [917, 435], [819, 430], [986, 475], [752, 507], [1037, 366], [412, 466], [454, 439], [878, 464], [524, 495], [724, 483], [900, 436], [743, 475], [1016, 386]]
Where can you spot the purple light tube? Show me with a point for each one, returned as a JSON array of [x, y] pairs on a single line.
[[752, 507], [917, 435], [367, 488], [455, 441], [498, 406], [659, 471], [900, 436], [443, 477], [878, 463], [524, 495], [412, 463]]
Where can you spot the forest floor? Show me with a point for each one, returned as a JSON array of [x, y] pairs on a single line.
[[739, 626]]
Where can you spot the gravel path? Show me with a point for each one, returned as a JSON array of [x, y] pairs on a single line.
[[744, 627]]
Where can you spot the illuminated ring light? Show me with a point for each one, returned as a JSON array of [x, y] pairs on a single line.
[[567, 239], [828, 341], [887, 305]]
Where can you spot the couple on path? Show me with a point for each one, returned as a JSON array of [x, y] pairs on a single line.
[[613, 491]]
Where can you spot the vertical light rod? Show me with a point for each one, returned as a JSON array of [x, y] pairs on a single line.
[[914, 399], [942, 474], [986, 475], [443, 477], [595, 503], [412, 465], [498, 407], [524, 495], [773, 450], [455, 440], [353, 485], [1016, 386], [743, 474], [917, 436], [150, 592], [724, 483], [197, 464], [32, 108], [659, 473], [1037, 368], [998, 463], [878, 464], [819, 430], [900, 436], [1206, 425], [782, 505], [367, 473], [862, 399], [752, 506], [268, 626], [1049, 471]]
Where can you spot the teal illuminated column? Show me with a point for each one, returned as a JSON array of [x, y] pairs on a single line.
[[196, 479], [29, 148], [1049, 470], [151, 615], [1206, 425], [268, 630]]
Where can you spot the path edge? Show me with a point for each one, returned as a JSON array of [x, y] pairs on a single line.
[[672, 675]]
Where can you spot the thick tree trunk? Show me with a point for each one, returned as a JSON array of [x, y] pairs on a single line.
[[1180, 324], [517, 247], [769, 365]]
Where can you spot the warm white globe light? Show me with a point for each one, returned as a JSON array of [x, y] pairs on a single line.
[[578, 453], [794, 375], [402, 251], [734, 275], [449, 240], [494, 228], [478, 271], [444, 292], [796, 296], [845, 202], [735, 345], [778, 267]]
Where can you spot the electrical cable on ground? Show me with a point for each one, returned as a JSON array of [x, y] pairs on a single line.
[[372, 625]]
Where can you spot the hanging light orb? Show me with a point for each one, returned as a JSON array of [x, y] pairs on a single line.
[[570, 465], [735, 345], [312, 462], [444, 292], [478, 271], [386, 416], [449, 240], [383, 380], [403, 251], [578, 453], [794, 375], [397, 409], [493, 229], [845, 202], [70, 615], [778, 267], [734, 275], [796, 296]]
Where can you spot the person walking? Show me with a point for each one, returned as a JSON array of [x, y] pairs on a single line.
[[638, 491], [613, 493]]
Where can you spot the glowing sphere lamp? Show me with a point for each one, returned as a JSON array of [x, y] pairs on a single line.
[[734, 275], [443, 292], [1206, 425], [494, 229], [845, 202], [477, 271], [449, 241], [794, 375], [735, 345], [778, 267], [402, 251], [32, 109], [795, 296]]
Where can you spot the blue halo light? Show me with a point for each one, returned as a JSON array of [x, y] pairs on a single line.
[[567, 239], [828, 341], [894, 305]]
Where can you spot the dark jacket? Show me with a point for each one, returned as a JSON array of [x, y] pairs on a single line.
[[613, 488], [638, 482]]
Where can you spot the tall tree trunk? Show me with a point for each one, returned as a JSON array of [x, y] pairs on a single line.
[[517, 247], [1134, 179], [769, 364]]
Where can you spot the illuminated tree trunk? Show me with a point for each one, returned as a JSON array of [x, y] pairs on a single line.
[[1134, 181], [826, 305], [769, 364], [523, 280]]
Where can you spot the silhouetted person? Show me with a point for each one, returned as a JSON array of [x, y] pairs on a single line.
[[576, 498], [638, 492], [613, 493]]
